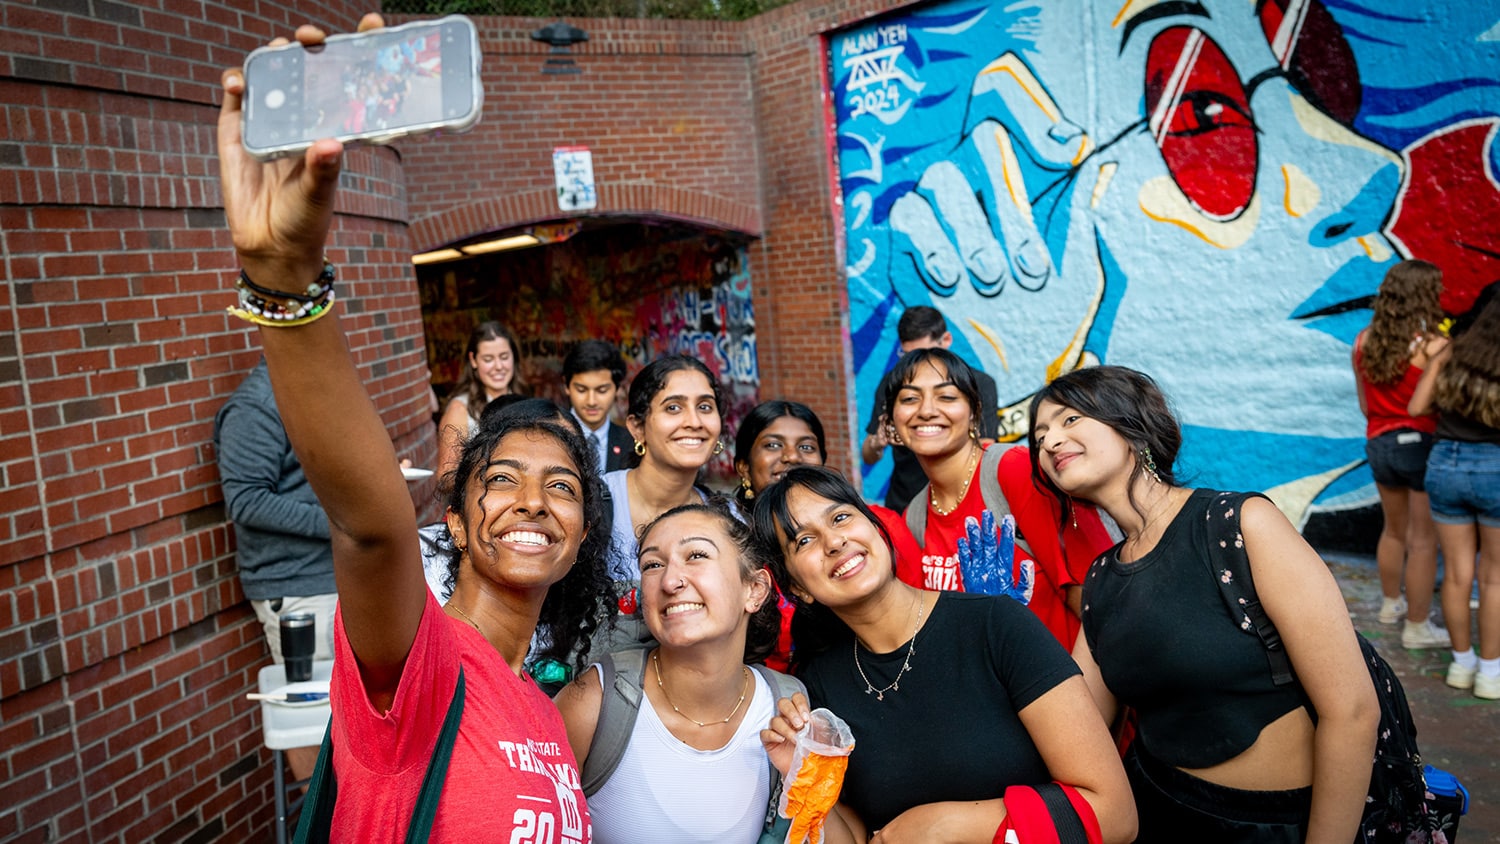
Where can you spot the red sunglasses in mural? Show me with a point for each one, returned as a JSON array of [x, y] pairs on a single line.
[[1313, 52], [1199, 110], [1199, 115]]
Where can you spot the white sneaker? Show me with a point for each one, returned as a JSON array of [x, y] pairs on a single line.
[[1424, 635], [1460, 677], [1487, 686], [1392, 610]]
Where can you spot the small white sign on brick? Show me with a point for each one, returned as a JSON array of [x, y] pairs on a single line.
[[574, 169]]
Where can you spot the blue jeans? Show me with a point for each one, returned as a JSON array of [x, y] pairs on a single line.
[[1463, 483]]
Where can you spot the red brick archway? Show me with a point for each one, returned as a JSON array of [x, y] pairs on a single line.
[[646, 199]]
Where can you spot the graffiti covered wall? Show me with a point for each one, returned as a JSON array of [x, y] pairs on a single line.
[[652, 291], [1209, 192]]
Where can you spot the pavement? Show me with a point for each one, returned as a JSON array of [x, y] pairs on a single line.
[[1455, 730]]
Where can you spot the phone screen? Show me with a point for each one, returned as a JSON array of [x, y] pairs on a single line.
[[384, 84]]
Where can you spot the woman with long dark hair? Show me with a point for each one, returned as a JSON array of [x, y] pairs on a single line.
[[524, 513], [1463, 481], [492, 368], [1389, 357], [1222, 752], [962, 706]]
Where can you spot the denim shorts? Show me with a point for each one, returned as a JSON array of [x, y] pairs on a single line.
[[1463, 483], [1399, 458]]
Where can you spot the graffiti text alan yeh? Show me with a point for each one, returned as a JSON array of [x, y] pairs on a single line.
[[881, 36]]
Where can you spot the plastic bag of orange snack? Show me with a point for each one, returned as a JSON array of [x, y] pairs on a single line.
[[812, 787]]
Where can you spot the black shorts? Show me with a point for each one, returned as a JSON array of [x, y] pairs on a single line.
[[1399, 458]]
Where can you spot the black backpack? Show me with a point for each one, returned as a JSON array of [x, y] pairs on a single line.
[[1397, 809]]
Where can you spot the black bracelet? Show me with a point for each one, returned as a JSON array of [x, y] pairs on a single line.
[[323, 282]]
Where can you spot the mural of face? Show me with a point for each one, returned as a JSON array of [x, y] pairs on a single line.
[[1176, 192]]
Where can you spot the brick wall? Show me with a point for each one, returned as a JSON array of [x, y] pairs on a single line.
[[126, 646]]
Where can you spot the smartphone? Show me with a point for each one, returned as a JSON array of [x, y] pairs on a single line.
[[371, 87]]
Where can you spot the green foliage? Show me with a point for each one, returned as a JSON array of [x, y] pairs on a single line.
[[681, 9]]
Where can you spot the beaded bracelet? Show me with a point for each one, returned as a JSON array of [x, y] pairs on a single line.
[[314, 290], [258, 305]]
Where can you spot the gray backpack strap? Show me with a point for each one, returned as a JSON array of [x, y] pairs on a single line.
[[916, 513], [989, 488], [782, 686], [621, 675]]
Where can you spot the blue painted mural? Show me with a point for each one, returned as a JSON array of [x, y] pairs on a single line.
[[1206, 191]]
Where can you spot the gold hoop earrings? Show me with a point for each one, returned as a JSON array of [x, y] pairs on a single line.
[[640, 448], [718, 447]]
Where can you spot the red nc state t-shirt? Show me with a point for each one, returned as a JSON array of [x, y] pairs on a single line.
[[512, 776], [1036, 513]]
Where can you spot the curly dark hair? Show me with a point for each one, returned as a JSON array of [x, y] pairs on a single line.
[[1127, 401], [815, 628], [578, 604], [1405, 308], [765, 624]]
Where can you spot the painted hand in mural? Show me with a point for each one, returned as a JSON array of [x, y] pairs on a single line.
[[976, 230]]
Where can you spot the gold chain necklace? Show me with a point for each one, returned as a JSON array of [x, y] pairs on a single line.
[[911, 648], [460, 611], [969, 472], [744, 690]]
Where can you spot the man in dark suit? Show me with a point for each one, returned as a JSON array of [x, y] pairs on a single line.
[[921, 327], [592, 373]]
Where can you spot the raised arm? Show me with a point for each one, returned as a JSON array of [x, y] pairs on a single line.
[[1421, 402], [279, 214], [1302, 599]]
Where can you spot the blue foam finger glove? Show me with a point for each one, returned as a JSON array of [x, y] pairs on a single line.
[[986, 558]]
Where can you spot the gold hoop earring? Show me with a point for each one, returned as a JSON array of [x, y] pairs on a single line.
[[890, 434], [718, 446], [640, 448], [745, 489]]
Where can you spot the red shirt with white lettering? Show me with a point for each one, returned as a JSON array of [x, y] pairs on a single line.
[[1057, 566], [512, 776]]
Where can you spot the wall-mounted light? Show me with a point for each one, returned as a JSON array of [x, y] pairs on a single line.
[[562, 36], [436, 256], [500, 244]]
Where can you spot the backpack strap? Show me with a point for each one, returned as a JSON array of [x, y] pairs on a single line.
[[322, 791], [782, 686], [989, 490], [621, 675], [1229, 565], [916, 514], [420, 828]]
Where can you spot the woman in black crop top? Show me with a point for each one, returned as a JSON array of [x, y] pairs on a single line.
[[1221, 754]]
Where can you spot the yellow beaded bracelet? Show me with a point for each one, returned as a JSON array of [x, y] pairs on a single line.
[[314, 314]]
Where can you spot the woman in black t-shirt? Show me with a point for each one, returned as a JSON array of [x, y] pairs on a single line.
[[960, 705], [1221, 752]]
